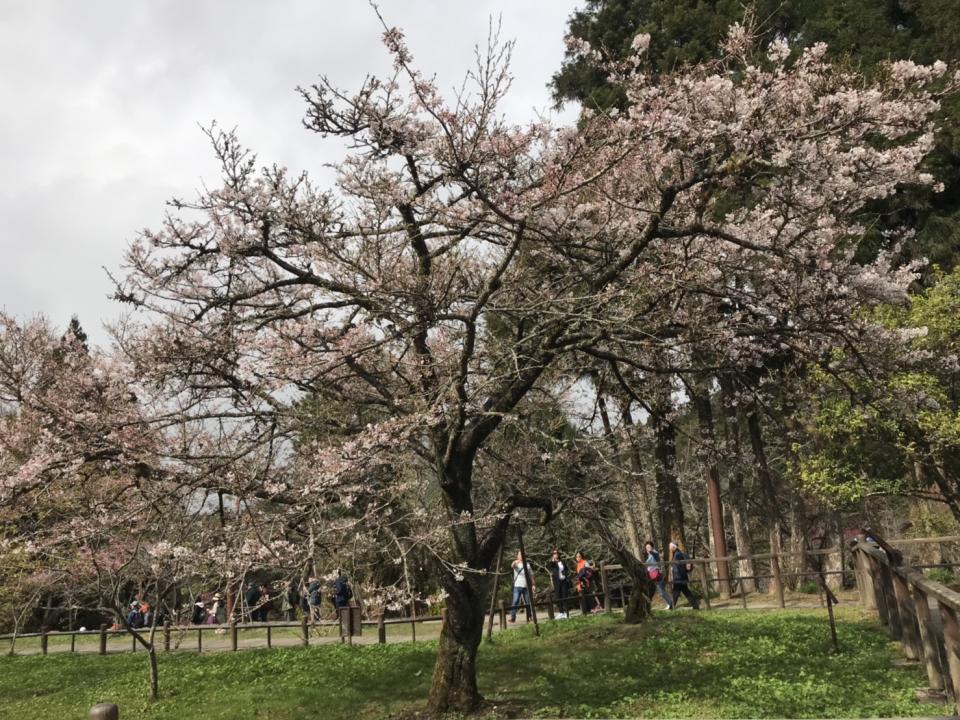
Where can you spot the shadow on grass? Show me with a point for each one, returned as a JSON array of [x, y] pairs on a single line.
[[706, 664], [725, 664]]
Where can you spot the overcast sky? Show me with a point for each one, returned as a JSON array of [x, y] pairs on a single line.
[[101, 103]]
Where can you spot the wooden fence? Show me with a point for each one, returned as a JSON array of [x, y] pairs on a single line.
[[613, 591], [610, 594], [924, 615], [191, 637]]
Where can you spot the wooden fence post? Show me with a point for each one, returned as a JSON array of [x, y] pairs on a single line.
[[103, 639], [895, 625], [912, 648], [73, 642], [43, 641], [864, 580], [269, 636], [166, 636], [413, 628], [133, 642], [381, 630], [873, 566], [928, 635], [493, 593], [503, 615], [951, 641], [199, 640], [304, 630], [605, 584], [705, 583]]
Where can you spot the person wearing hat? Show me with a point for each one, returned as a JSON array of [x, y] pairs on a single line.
[[681, 576], [217, 615], [135, 617]]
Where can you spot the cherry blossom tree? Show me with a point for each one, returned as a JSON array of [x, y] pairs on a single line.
[[337, 360]]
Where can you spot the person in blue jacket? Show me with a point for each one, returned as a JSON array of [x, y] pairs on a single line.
[[681, 576], [657, 573]]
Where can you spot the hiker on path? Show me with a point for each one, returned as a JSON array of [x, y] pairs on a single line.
[[586, 584], [342, 592], [657, 573], [681, 576], [313, 598]]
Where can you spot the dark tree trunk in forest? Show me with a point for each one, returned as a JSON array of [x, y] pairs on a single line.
[[648, 525], [669, 506], [797, 518], [739, 510], [701, 400], [765, 481], [627, 496]]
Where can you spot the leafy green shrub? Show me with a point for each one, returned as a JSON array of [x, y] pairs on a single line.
[[808, 587], [940, 575]]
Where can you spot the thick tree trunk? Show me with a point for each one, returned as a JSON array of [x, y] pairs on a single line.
[[627, 498], [767, 489], [701, 400], [669, 509], [645, 522], [797, 518], [738, 491], [454, 687]]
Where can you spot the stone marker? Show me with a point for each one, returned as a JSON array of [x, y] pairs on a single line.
[[104, 711]]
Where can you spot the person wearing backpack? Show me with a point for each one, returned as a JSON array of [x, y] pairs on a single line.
[[520, 590], [135, 617], [656, 573], [342, 592], [681, 576], [586, 584]]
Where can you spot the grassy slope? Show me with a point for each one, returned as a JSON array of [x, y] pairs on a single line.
[[730, 664]]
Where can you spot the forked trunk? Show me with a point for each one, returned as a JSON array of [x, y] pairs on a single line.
[[454, 687]]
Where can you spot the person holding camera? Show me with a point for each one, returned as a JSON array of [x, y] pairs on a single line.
[[520, 590]]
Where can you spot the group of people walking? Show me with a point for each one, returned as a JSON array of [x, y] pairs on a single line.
[[680, 581], [582, 577], [261, 600]]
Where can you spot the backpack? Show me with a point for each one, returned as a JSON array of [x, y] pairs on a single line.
[[347, 591], [586, 577]]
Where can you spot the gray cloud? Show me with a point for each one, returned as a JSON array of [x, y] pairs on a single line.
[[102, 101]]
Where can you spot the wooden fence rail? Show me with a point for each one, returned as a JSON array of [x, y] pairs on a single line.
[[919, 612], [882, 587]]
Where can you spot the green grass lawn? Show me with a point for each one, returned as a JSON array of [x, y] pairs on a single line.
[[723, 664]]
